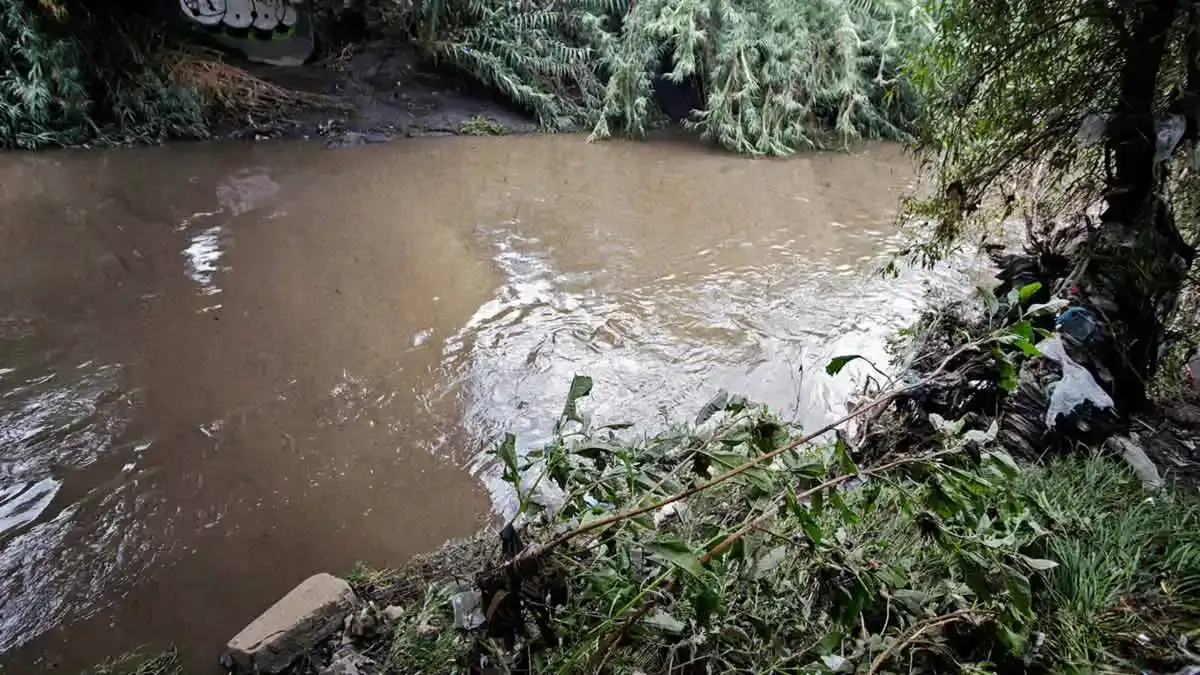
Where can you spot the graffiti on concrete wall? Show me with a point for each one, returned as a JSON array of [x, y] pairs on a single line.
[[266, 18]]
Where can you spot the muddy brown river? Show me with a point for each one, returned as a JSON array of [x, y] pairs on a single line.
[[226, 367]]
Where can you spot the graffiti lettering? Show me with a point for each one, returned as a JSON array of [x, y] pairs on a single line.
[[243, 16]]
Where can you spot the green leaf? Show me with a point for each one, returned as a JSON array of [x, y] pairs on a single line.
[[848, 514], [1023, 329], [817, 503], [1005, 462], [989, 299], [1007, 376], [677, 552], [1014, 640], [581, 385], [1029, 290], [1054, 306], [705, 603], [793, 504], [1028, 348], [976, 574], [508, 454], [1018, 590], [665, 622], [982, 437], [838, 362], [813, 531], [769, 561], [594, 449], [760, 477], [846, 465], [1039, 564], [947, 428]]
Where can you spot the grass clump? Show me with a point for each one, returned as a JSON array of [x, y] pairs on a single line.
[[1127, 584], [366, 579], [786, 556], [137, 663], [481, 125]]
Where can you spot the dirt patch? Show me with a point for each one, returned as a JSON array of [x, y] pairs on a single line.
[[377, 92]]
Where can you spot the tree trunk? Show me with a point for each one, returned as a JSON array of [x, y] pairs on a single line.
[[1128, 272], [1123, 277]]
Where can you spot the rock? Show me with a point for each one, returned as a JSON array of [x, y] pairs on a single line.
[[468, 610], [349, 662], [309, 613], [393, 613]]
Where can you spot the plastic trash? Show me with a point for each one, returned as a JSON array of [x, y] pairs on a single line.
[[468, 610], [1078, 324], [1076, 387], [1137, 459], [1170, 132], [542, 490]]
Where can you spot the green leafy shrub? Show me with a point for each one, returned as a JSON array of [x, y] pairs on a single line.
[[783, 556], [74, 77]]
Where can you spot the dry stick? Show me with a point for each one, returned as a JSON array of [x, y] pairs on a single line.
[[920, 628], [614, 638]]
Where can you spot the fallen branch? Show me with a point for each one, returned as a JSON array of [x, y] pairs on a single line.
[[614, 638], [918, 630]]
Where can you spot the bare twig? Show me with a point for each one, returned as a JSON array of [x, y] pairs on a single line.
[[616, 636], [917, 630]]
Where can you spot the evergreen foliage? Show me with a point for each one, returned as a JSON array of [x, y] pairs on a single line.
[[954, 560], [543, 55], [777, 76], [74, 77]]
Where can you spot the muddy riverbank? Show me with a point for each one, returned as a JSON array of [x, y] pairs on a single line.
[[376, 92]]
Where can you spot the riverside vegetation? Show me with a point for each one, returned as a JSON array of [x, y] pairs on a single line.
[[741, 543], [965, 525], [771, 77], [790, 554]]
